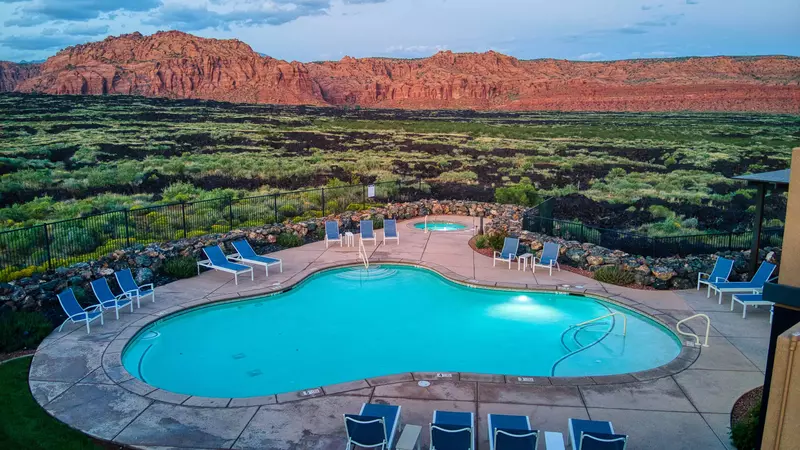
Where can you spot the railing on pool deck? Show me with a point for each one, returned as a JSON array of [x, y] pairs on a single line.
[[580, 326], [362, 253], [695, 336]]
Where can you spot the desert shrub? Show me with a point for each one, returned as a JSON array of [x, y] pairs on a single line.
[[691, 222], [357, 207], [80, 240], [288, 211], [219, 229], [23, 330], [465, 176], [519, 194], [180, 267], [496, 240], [661, 212], [744, 433], [481, 242], [613, 275], [289, 240], [377, 222], [196, 233]]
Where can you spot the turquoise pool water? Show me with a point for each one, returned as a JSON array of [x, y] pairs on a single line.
[[440, 226], [348, 324]]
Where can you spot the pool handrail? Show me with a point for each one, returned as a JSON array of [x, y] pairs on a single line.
[[695, 336]]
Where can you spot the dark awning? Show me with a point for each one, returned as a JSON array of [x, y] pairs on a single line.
[[776, 178]]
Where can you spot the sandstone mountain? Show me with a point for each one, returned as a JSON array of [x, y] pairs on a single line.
[[180, 65]]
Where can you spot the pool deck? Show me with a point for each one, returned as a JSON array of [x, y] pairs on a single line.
[[78, 378]]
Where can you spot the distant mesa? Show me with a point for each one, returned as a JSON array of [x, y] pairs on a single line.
[[179, 65]]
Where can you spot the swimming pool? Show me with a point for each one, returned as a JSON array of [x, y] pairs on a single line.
[[348, 324], [440, 226]]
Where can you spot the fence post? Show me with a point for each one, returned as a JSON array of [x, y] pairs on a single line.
[[230, 213], [399, 186], [127, 231], [323, 202], [47, 246], [730, 241], [363, 194], [183, 218], [275, 204]]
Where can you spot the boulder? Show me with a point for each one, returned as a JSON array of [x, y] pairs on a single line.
[[144, 276]]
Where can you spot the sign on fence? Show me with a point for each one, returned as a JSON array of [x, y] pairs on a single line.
[[371, 191]]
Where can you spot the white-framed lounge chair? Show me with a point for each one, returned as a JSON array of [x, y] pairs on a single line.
[[755, 299], [332, 233], [756, 284], [549, 257], [374, 427], [75, 312], [246, 254], [218, 261], [390, 231], [367, 232], [511, 432], [107, 298], [128, 284], [595, 435], [509, 252], [452, 429], [720, 273]]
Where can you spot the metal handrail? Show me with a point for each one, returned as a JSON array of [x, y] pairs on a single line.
[[597, 341], [615, 313], [696, 337], [362, 253]]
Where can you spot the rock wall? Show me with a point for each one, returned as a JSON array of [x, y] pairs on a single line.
[[37, 292]]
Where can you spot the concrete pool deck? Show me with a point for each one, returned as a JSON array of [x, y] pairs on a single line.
[[78, 378]]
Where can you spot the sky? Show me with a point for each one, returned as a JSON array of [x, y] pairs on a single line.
[[314, 30]]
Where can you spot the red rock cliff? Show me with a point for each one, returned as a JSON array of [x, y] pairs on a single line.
[[176, 64], [12, 74]]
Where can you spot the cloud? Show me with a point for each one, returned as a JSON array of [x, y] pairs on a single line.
[[416, 49], [629, 30], [663, 21], [660, 54], [36, 42], [692, 2], [85, 30], [40, 11], [361, 2], [276, 12], [594, 56]]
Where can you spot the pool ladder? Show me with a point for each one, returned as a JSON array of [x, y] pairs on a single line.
[[578, 327], [695, 336], [362, 254]]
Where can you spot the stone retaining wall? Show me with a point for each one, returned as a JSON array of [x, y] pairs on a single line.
[[37, 292]]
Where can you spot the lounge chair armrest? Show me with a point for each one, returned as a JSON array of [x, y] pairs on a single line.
[[90, 309], [720, 279], [145, 285], [496, 254], [701, 274], [124, 295], [772, 279]]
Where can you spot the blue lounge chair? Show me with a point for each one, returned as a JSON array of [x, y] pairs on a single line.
[[511, 433], [452, 430], [509, 253], [720, 273], [367, 233], [246, 254], [755, 299], [75, 312], [375, 426], [218, 261], [756, 284], [595, 435], [390, 231], [107, 298], [128, 284], [549, 257], [332, 233]]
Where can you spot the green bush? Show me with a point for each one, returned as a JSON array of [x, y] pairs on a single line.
[[481, 242], [613, 275], [288, 211], [377, 222], [661, 212], [180, 267], [743, 433], [523, 194], [23, 330], [496, 240], [289, 240]]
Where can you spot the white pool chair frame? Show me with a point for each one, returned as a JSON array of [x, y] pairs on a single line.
[[551, 263], [470, 429], [139, 288], [209, 265], [374, 237], [498, 256], [338, 233], [86, 311], [116, 306], [745, 303], [239, 258], [705, 278], [385, 237], [351, 443]]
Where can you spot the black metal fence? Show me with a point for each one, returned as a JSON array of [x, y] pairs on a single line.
[[58, 244], [536, 220]]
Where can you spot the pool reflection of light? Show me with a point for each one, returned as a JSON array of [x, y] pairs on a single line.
[[522, 308]]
